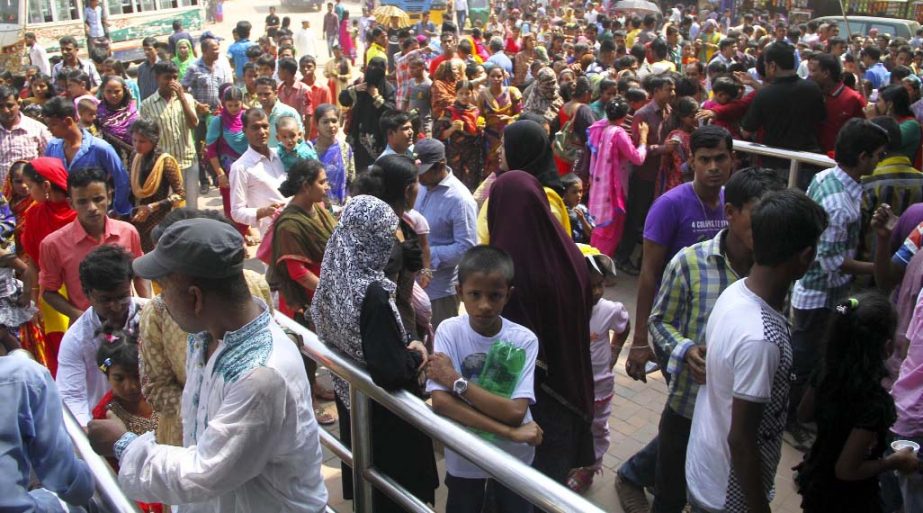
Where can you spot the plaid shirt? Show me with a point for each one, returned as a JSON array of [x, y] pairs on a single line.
[[203, 83], [825, 284], [691, 284], [26, 140]]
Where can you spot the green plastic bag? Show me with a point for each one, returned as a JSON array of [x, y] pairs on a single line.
[[501, 373]]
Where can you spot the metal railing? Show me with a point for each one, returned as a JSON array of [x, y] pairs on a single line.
[[795, 158], [109, 496], [529, 483]]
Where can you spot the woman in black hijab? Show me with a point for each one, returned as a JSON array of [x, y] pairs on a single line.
[[369, 98], [553, 299], [526, 148]]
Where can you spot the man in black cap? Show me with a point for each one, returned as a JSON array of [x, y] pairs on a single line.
[[450, 210], [246, 403]]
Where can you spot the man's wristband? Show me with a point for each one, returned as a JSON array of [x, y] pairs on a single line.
[[122, 443]]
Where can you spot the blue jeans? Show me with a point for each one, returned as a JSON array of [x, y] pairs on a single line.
[[331, 41], [641, 469], [461, 16]]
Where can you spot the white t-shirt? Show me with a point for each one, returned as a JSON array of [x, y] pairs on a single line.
[[749, 357], [468, 351], [607, 316]]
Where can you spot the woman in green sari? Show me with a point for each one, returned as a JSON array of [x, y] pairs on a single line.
[[183, 57], [299, 238]]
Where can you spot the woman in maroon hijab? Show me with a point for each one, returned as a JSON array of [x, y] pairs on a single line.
[[552, 298]]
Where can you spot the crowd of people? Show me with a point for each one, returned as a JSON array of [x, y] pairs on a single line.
[[447, 205]]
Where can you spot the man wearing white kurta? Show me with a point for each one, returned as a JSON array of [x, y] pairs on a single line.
[[251, 440]]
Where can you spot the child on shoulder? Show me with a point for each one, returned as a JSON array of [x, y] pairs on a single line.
[[607, 317], [482, 376]]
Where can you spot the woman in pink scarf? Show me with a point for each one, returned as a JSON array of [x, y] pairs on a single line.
[[611, 146], [346, 40]]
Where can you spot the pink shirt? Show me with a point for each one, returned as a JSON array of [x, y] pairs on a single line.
[[63, 250], [908, 389], [297, 97]]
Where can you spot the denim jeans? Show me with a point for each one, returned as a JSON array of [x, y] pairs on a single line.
[[331, 42], [641, 469], [461, 16], [467, 496]]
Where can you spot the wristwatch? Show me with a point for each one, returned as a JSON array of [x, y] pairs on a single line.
[[460, 387]]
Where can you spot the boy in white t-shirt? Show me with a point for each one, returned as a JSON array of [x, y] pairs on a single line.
[[608, 317], [481, 376]]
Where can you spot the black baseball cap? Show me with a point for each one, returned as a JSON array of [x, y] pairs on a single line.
[[200, 248], [428, 152]]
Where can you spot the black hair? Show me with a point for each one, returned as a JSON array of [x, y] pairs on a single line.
[[254, 112], [636, 94], [637, 51], [716, 68], [98, 55], [486, 259], [120, 347], [785, 223], [106, 268], [323, 109], [582, 87], [79, 76], [267, 61], [288, 64], [899, 73], [149, 41], [393, 120], [387, 179], [147, 128], [87, 175], [726, 42], [727, 85], [751, 183], [266, 81], [653, 83], [164, 67], [617, 109], [853, 355], [607, 45], [68, 40], [894, 131], [59, 108], [859, 136], [569, 180], [229, 93], [243, 29], [7, 91], [871, 52], [829, 63], [302, 172], [41, 77], [253, 52], [249, 66], [687, 87], [607, 83], [305, 59], [780, 53], [659, 48], [710, 136]]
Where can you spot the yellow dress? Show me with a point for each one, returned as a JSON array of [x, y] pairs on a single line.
[[558, 210]]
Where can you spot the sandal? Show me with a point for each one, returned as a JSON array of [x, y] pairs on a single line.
[[252, 241], [580, 479], [323, 418]]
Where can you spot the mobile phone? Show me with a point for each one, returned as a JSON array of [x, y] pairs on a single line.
[[650, 367]]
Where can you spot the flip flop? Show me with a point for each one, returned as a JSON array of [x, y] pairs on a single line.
[[324, 418]]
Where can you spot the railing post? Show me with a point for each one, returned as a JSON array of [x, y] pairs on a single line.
[[793, 169], [360, 425]]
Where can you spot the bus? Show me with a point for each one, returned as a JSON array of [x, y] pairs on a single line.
[[129, 22], [414, 8]]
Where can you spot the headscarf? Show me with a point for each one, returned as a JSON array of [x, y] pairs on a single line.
[[190, 58], [539, 160], [544, 100], [553, 297], [116, 120], [355, 258], [47, 216], [230, 127]]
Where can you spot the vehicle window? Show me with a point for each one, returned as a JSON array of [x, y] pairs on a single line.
[[9, 12], [885, 29], [48, 11]]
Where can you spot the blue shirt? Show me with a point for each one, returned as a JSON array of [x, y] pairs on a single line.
[[451, 213], [302, 151], [501, 59], [95, 152], [33, 438], [238, 53], [878, 75]]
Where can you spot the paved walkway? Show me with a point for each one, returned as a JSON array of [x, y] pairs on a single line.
[[636, 412]]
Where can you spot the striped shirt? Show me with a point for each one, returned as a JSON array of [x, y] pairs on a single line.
[[26, 140], [175, 134], [894, 182], [824, 285], [692, 282]]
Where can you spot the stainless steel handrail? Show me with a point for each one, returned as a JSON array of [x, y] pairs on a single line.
[[107, 487], [796, 158], [532, 485]]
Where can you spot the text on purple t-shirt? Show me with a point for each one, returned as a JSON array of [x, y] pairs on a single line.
[[679, 219]]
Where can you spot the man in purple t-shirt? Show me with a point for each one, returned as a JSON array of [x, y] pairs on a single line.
[[683, 216]]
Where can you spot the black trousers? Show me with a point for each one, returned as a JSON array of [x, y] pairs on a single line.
[[640, 198]]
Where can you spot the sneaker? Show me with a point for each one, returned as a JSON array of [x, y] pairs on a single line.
[[631, 496], [798, 436], [204, 188]]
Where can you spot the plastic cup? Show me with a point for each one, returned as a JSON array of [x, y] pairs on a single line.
[[898, 445]]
